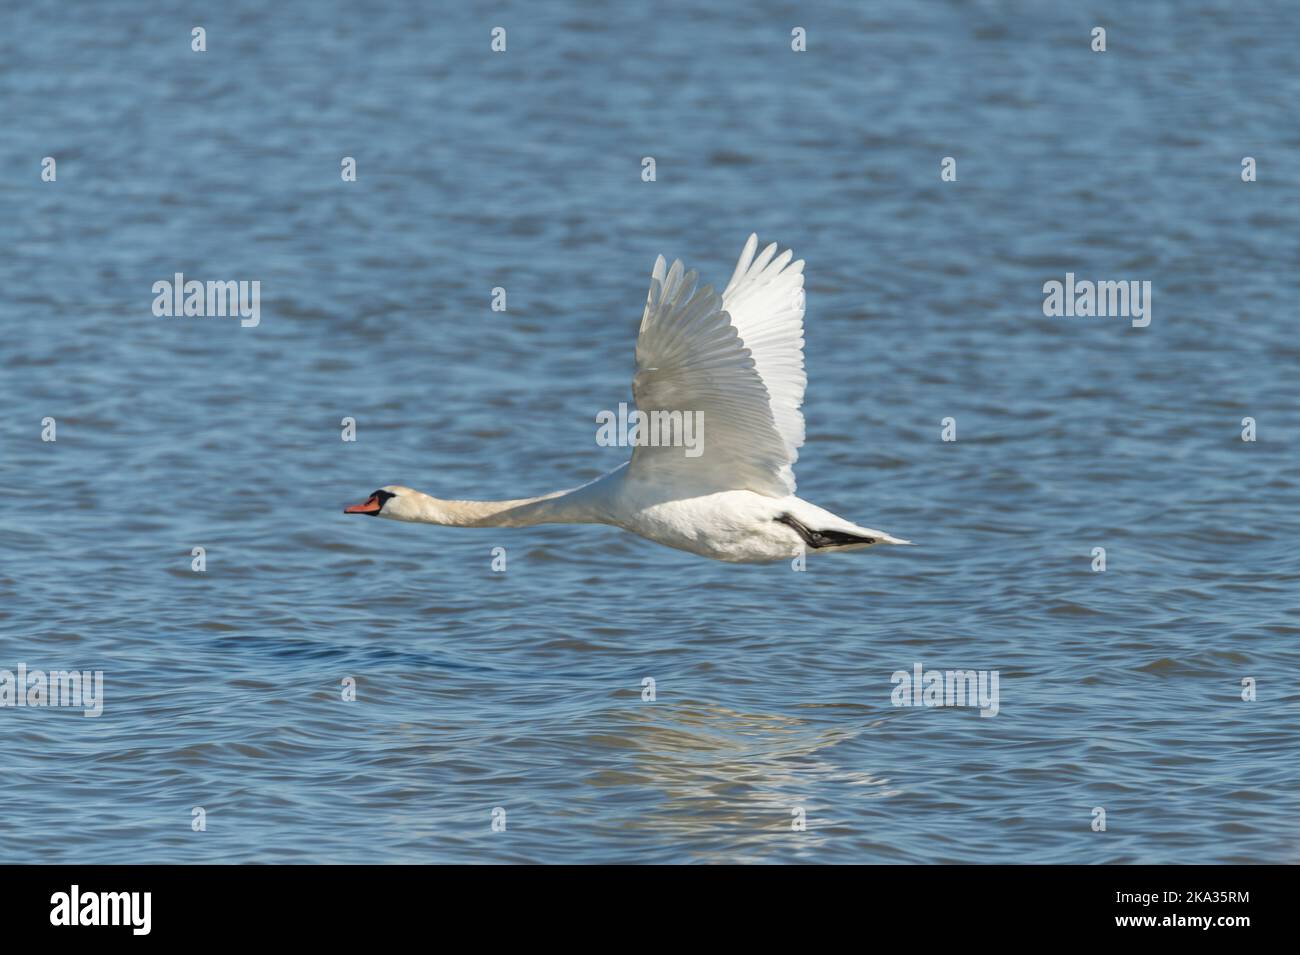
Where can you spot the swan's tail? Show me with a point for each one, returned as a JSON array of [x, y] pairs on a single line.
[[890, 539]]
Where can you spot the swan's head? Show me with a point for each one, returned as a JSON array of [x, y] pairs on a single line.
[[392, 501]]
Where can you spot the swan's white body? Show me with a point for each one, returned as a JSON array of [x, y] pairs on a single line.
[[737, 360]]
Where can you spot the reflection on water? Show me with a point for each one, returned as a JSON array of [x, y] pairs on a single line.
[[720, 771]]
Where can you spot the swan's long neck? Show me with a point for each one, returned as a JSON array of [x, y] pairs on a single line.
[[522, 512]]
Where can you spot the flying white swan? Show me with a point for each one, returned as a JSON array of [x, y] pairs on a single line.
[[735, 363]]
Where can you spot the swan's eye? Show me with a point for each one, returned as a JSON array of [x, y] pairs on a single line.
[[383, 496]]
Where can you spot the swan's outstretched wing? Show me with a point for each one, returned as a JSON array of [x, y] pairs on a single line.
[[765, 301], [737, 361]]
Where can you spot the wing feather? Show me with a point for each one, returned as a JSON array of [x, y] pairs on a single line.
[[737, 359]]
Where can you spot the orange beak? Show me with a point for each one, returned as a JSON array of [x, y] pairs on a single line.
[[370, 507]]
